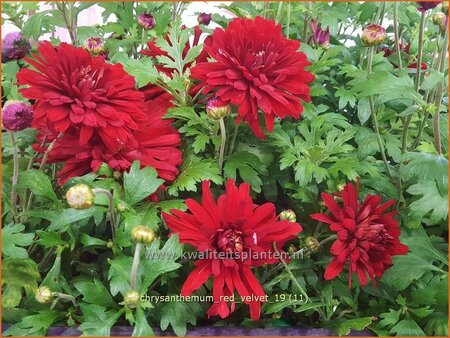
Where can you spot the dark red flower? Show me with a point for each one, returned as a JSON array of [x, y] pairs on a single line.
[[233, 226], [426, 5], [387, 52], [155, 144], [367, 236], [80, 94], [255, 66], [320, 37]]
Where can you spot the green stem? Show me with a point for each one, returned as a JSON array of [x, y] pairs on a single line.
[[280, 6], [223, 133], [420, 51], [397, 36], [233, 140], [294, 280], [135, 266], [288, 20], [60, 295], [306, 23], [14, 178], [374, 117], [112, 216]]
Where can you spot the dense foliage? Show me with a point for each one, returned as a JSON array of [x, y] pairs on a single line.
[[314, 130]]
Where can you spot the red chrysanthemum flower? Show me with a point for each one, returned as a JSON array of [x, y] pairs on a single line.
[[236, 227], [255, 66], [367, 236], [155, 145], [80, 94]]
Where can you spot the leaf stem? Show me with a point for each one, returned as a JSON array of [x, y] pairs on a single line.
[[223, 133], [291, 275], [374, 117], [397, 36], [14, 178], [112, 216], [134, 267]]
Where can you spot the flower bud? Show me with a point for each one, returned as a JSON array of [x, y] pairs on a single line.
[[217, 109], [80, 196], [426, 5], [17, 115], [341, 186], [43, 295], [288, 215], [312, 244], [143, 234], [121, 207], [94, 45], [292, 249], [440, 19], [117, 175], [204, 19], [373, 35], [146, 20], [14, 47], [131, 299], [320, 37], [444, 7], [110, 244]]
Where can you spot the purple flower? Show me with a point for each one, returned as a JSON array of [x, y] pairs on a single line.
[[14, 47], [426, 5], [320, 37], [17, 115], [146, 20], [204, 19]]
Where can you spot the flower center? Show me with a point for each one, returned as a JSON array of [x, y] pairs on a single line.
[[230, 240], [259, 59]]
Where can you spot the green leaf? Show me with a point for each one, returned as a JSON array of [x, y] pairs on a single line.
[[34, 325], [119, 274], [97, 321], [143, 71], [141, 327], [33, 27], [195, 170], [432, 201], [69, 216], [49, 239], [388, 86], [18, 275], [345, 97], [140, 183], [343, 328], [249, 166], [431, 79], [13, 239], [159, 261], [178, 315], [88, 241], [407, 327], [95, 293], [37, 182], [406, 269], [389, 318], [425, 166], [437, 324]]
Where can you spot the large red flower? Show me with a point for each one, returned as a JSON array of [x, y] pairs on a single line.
[[77, 93], [238, 229], [154, 144], [367, 235], [255, 66]]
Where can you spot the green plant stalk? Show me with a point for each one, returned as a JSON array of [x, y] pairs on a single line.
[[135, 266], [291, 275], [438, 98], [266, 10], [14, 178], [397, 36], [288, 20], [280, 6], [374, 117], [233, 139], [112, 216], [223, 132], [380, 16], [306, 23], [68, 12], [408, 119]]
